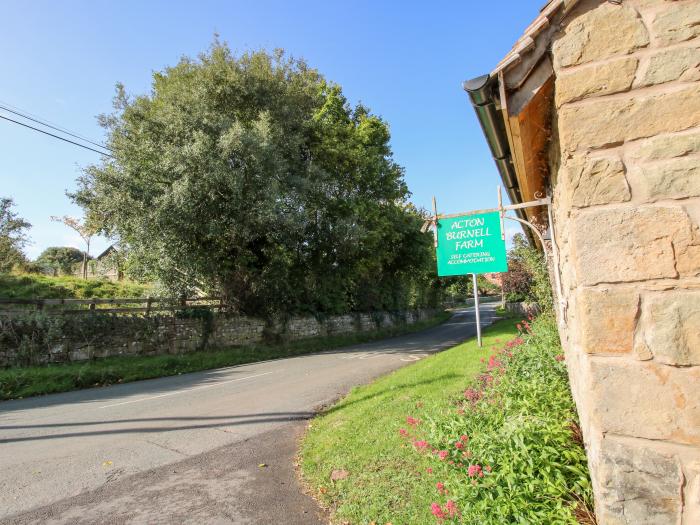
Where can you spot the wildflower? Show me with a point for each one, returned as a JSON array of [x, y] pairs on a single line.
[[460, 411], [493, 362], [451, 508], [420, 445], [559, 357], [487, 468], [464, 438], [443, 455], [403, 432], [440, 486], [530, 317], [474, 470], [519, 327], [472, 395], [459, 445], [412, 421], [429, 470], [437, 511]]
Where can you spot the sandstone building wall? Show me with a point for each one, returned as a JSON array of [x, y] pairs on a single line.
[[625, 167]]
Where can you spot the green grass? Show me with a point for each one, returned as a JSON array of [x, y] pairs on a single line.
[[37, 286], [521, 427], [38, 380]]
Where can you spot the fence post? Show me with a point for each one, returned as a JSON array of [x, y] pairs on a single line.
[[149, 300]]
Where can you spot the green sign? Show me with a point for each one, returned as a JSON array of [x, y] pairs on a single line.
[[470, 244]]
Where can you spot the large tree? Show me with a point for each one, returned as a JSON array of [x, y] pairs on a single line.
[[252, 177], [59, 259], [13, 236]]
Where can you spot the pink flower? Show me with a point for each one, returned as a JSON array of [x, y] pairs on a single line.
[[412, 421], [559, 357], [472, 395], [403, 432], [440, 486], [519, 327], [464, 438], [451, 508], [429, 470], [437, 511], [443, 455], [459, 445], [420, 445], [474, 470], [493, 362], [488, 468]]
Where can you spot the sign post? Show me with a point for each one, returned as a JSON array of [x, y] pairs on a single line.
[[470, 243], [476, 309]]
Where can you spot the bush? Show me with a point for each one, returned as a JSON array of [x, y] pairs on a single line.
[[510, 443], [527, 278]]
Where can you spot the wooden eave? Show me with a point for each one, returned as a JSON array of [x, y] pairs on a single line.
[[526, 89]]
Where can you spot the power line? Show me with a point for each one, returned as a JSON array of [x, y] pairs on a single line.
[[57, 137], [46, 124]]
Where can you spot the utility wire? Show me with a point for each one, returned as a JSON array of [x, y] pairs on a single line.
[[57, 137], [46, 124]]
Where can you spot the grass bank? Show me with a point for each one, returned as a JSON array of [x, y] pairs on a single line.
[[38, 380], [33, 286], [470, 435]]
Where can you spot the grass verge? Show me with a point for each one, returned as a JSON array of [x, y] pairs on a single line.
[[468, 435], [38, 380]]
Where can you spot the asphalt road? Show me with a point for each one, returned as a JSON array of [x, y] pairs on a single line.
[[188, 448]]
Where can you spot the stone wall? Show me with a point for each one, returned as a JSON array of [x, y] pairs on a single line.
[[626, 173], [79, 338]]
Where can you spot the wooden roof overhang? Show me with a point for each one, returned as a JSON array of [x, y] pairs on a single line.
[[520, 90]]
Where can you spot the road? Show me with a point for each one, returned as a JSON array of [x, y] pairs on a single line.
[[188, 448]]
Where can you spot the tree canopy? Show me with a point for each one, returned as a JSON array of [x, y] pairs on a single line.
[[59, 259], [13, 236], [251, 176]]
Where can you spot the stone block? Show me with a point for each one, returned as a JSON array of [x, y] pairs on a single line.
[[669, 65], [79, 354], [646, 399], [607, 320], [670, 327], [631, 244], [595, 181], [612, 121], [674, 179], [664, 147], [606, 31], [639, 485], [595, 80], [677, 22]]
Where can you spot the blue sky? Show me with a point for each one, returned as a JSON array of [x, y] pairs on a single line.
[[405, 60]]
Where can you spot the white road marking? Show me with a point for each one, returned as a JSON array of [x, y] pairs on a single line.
[[414, 357], [185, 391]]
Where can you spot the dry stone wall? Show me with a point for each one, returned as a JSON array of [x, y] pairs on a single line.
[[627, 207], [83, 338]]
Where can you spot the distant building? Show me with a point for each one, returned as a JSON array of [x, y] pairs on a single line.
[[494, 278], [106, 266]]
